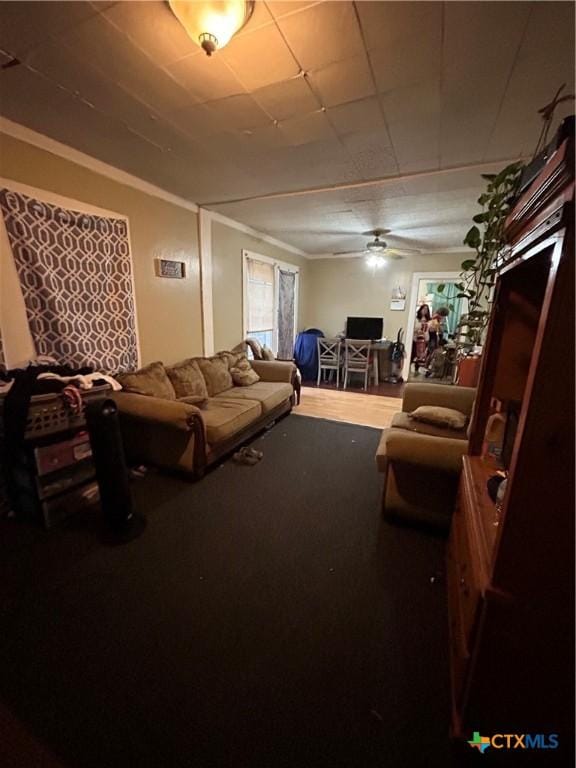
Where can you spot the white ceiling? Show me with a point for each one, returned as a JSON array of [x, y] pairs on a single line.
[[309, 95]]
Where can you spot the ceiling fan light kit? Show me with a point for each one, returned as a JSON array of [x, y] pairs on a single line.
[[375, 261], [212, 23]]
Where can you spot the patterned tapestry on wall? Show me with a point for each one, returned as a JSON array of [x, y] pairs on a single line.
[[76, 278]]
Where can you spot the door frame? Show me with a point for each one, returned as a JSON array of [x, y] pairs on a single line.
[[416, 277]]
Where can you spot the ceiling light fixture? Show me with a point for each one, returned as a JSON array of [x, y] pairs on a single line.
[[212, 23], [375, 261]]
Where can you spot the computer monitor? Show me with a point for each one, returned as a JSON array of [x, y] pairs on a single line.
[[364, 328]]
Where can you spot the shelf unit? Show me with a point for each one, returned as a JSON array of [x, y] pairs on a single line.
[[511, 573]]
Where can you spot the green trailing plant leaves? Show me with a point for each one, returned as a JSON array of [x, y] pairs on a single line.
[[440, 287], [473, 238]]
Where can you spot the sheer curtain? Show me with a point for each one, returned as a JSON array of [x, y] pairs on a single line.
[[286, 310], [260, 301]]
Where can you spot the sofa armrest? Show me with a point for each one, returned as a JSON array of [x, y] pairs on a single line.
[[459, 398], [274, 370], [437, 453], [168, 413]]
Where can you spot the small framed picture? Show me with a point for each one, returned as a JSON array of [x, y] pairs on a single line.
[[169, 268], [398, 304]]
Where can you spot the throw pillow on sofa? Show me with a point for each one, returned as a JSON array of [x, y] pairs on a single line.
[[216, 374], [232, 358], [267, 353], [440, 417], [187, 379], [152, 380], [243, 375]]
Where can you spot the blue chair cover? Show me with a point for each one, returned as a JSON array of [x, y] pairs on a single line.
[[306, 353]]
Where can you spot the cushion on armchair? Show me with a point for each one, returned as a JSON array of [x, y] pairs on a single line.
[[440, 416]]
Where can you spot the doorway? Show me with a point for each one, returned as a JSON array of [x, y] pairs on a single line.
[[419, 346]]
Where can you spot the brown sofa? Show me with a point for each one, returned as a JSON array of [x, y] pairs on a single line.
[[188, 432], [421, 462]]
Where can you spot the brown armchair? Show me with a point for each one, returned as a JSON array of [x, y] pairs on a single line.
[[421, 463]]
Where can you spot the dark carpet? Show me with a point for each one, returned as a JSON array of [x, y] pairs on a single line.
[[267, 616]]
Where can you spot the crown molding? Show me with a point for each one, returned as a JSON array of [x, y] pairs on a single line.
[[29, 136], [21, 132], [221, 219]]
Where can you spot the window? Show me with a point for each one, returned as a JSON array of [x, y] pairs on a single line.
[[270, 302]]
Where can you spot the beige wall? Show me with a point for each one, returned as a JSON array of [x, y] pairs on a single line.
[[169, 311], [227, 246], [338, 288]]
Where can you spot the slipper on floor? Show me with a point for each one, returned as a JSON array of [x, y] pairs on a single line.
[[253, 452], [241, 457]]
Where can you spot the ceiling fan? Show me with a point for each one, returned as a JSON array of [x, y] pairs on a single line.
[[379, 248]]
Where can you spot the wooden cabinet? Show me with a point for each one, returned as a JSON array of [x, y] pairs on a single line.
[[511, 573]]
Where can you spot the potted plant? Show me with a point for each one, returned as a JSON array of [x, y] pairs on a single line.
[[486, 239]]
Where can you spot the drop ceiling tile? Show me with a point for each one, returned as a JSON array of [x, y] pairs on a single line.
[[254, 143], [371, 154], [23, 26], [153, 28], [357, 117], [26, 96], [544, 62], [343, 81], [80, 80], [260, 18], [413, 115], [259, 58], [322, 34], [111, 52], [5, 58], [287, 99], [205, 77], [413, 102], [196, 121], [238, 113], [307, 129], [279, 8], [406, 48]]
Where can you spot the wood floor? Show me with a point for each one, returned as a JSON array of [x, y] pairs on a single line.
[[352, 407]]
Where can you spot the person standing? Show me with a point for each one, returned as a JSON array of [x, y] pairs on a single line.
[[421, 336]]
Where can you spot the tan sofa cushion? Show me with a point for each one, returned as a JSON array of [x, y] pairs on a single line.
[[197, 400], [268, 393], [152, 380], [440, 416], [243, 375], [224, 417], [403, 420], [216, 374], [187, 379]]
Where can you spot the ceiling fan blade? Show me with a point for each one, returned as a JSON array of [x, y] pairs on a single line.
[[357, 252], [404, 251]]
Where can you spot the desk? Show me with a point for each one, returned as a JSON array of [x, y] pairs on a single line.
[[381, 349]]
